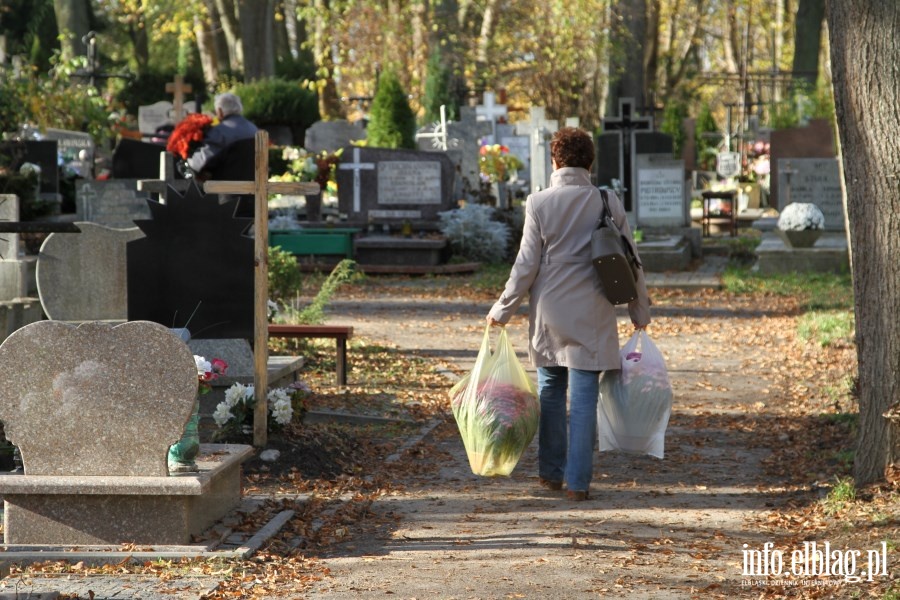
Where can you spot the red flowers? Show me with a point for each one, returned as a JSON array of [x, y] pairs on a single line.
[[190, 131]]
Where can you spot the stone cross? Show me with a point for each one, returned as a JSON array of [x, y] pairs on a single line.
[[178, 88], [439, 135], [540, 129], [261, 187], [166, 179], [490, 111], [356, 167]]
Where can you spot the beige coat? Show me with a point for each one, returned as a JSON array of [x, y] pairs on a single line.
[[571, 323]]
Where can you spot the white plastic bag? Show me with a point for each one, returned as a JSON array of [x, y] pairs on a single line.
[[496, 409], [635, 401]]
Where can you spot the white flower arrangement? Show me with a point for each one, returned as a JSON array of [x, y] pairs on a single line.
[[801, 216], [240, 401]]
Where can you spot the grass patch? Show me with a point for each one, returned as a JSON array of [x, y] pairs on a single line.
[[491, 277], [816, 291], [842, 494], [827, 328]]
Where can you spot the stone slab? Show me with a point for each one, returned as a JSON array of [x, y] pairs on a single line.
[[13, 279], [82, 277], [828, 254], [95, 399], [116, 510], [665, 253], [17, 314], [114, 203], [236, 352], [387, 250]]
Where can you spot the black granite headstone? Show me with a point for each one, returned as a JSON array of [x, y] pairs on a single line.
[[195, 268], [43, 153], [608, 162], [134, 159]]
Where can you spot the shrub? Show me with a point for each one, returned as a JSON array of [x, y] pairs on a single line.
[[674, 115], [706, 147], [285, 279], [279, 102], [437, 90], [391, 120], [473, 234]]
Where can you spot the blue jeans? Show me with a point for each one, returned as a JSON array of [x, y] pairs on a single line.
[[567, 453]]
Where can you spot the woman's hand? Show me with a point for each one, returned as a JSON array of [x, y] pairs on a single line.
[[639, 327], [493, 322]]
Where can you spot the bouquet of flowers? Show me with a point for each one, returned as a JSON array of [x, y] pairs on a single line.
[[496, 163], [307, 166], [188, 134]]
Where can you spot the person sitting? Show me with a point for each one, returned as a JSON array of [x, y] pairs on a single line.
[[232, 127]]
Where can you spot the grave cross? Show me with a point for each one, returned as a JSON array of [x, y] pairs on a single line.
[[178, 88], [439, 135], [356, 166], [93, 71], [490, 111], [540, 130], [261, 187], [627, 125]]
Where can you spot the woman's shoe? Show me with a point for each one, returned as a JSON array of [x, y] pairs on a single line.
[[550, 484], [577, 496]]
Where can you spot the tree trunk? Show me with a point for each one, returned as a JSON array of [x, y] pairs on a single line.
[[808, 42], [330, 106], [865, 91], [73, 18], [257, 37], [228, 19], [206, 47], [628, 39]]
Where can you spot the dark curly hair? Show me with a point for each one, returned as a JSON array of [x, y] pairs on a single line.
[[572, 147]]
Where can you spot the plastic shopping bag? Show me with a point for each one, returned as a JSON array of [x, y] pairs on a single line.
[[496, 409], [636, 400]]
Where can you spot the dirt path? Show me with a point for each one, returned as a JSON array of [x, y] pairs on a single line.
[[652, 529]]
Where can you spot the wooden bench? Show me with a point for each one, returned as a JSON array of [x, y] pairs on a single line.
[[339, 333]]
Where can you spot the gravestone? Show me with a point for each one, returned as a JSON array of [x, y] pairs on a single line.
[[520, 147], [13, 270], [83, 277], [76, 149], [816, 181], [331, 136], [43, 153], [647, 143], [194, 268], [616, 149], [465, 135], [382, 185], [118, 397], [114, 203], [660, 191], [154, 116], [816, 140], [134, 159], [540, 131]]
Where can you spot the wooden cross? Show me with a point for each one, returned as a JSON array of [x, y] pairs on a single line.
[[356, 166], [261, 187], [178, 88]]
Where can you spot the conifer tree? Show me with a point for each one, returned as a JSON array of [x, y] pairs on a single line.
[[437, 90], [391, 120]]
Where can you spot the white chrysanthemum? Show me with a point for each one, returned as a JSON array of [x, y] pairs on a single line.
[[282, 412], [236, 393], [248, 393], [222, 414], [800, 216], [203, 365], [290, 153], [278, 395]]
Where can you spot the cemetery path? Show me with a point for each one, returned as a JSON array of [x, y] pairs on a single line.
[[672, 528]]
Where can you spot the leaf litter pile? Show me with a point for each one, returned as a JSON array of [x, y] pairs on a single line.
[[801, 416]]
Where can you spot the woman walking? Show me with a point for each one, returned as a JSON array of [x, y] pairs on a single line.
[[572, 327]]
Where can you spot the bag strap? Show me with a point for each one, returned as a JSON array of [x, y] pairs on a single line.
[[607, 214]]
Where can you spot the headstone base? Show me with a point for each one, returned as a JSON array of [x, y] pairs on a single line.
[[664, 253], [829, 254], [388, 250], [69, 510], [13, 279]]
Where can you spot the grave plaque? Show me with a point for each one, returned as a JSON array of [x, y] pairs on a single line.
[[660, 191], [114, 203], [195, 267], [813, 180], [409, 182], [331, 136], [382, 184]]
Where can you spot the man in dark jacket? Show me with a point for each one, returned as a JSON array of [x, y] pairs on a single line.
[[232, 127]]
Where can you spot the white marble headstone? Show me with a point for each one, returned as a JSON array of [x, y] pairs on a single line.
[[95, 400]]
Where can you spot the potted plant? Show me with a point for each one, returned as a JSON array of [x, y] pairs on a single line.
[[800, 224]]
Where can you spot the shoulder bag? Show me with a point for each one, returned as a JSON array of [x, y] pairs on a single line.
[[614, 259]]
